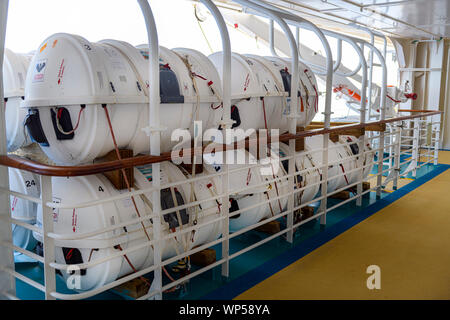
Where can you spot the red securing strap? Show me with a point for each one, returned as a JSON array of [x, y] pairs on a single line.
[[210, 83], [343, 171], [69, 254], [199, 76], [396, 101], [412, 96]]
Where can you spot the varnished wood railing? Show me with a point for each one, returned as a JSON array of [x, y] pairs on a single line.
[[83, 170]]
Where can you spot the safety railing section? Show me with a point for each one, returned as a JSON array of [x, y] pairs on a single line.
[[400, 142], [404, 153]]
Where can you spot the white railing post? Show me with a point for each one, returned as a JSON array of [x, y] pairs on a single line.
[[398, 144], [391, 150], [415, 150], [226, 124], [324, 186], [7, 282], [226, 222], [429, 137], [370, 80], [272, 14], [48, 242], [437, 127], [329, 68], [380, 163], [382, 115], [155, 140], [272, 38], [360, 161]]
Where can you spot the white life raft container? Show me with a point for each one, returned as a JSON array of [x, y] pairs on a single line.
[[277, 190], [193, 72], [369, 154], [68, 222], [240, 199], [93, 218], [314, 144], [21, 209], [14, 73], [209, 85], [180, 195], [347, 165], [71, 78], [276, 106], [257, 96], [310, 179], [308, 94]]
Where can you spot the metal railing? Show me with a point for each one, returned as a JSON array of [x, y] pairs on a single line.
[[395, 149], [387, 174]]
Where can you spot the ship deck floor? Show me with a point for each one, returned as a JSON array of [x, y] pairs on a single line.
[[406, 233], [409, 240]]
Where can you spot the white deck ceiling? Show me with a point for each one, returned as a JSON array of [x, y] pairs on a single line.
[[418, 19]]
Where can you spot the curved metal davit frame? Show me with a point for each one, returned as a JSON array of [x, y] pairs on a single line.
[[7, 272], [362, 63], [294, 102]]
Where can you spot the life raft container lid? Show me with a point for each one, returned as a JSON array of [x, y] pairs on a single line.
[[14, 73], [244, 82], [68, 69]]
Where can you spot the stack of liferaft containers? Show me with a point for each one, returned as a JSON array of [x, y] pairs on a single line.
[[75, 102]]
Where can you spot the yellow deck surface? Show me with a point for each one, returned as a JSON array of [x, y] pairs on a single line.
[[409, 240], [444, 157]]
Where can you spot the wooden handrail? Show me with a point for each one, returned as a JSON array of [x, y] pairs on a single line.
[[332, 123], [83, 170], [415, 111]]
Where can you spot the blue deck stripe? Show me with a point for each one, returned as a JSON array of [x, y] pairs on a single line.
[[255, 276]]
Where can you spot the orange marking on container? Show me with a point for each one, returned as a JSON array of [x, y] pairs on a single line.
[[43, 47], [348, 92], [54, 43]]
